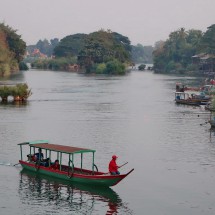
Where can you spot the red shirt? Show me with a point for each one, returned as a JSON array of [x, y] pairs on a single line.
[[55, 166], [112, 166]]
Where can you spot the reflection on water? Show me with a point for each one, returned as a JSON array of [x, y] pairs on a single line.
[[69, 198], [14, 103]]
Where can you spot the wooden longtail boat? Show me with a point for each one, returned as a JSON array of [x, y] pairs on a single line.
[[196, 100], [67, 172]]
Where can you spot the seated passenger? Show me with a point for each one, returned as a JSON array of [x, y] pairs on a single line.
[[178, 97], [56, 165], [31, 158]]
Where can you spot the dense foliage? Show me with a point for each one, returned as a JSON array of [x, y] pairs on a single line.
[[175, 54], [106, 47], [19, 92], [12, 50], [60, 63], [70, 46], [177, 51], [208, 40], [102, 52]]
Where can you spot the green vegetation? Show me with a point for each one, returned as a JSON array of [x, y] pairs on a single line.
[[105, 47], [54, 64], [100, 52], [175, 54], [12, 50], [141, 67], [19, 92], [142, 54], [70, 46], [207, 44]]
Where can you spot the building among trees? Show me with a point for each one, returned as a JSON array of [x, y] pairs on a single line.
[[205, 63]]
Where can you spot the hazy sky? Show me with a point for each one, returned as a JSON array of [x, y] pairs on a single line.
[[141, 21]]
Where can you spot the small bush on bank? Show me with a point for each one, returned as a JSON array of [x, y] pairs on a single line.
[[19, 92], [115, 67], [54, 64], [101, 68], [23, 66]]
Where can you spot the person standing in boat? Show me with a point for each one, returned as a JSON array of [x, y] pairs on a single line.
[[113, 168]]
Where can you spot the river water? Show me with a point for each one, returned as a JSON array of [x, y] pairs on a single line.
[[132, 116]]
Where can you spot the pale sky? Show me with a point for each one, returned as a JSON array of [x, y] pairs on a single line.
[[142, 21]]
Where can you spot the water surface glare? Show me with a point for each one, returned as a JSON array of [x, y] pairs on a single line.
[[133, 116]]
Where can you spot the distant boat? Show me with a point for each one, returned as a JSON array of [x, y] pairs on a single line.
[[67, 172], [193, 99]]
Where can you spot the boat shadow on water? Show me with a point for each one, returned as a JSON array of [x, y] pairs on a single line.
[[68, 196]]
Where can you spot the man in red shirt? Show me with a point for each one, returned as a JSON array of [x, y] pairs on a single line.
[[113, 168]]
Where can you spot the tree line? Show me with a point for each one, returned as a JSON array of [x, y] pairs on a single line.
[[175, 54], [98, 52], [101, 52], [107, 52]]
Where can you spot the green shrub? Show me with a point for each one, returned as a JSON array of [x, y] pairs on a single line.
[[23, 66], [20, 92], [115, 67], [101, 68], [141, 67], [54, 64]]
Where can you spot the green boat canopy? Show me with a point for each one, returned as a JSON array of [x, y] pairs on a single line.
[[34, 142]]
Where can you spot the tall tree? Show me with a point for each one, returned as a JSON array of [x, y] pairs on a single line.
[[102, 46], [12, 50], [208, 40], [177, 51], [14, 41], [70, 45]]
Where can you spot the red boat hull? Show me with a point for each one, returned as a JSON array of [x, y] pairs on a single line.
[[83, 176]]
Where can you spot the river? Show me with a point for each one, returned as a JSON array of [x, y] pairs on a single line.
[[132, 116]]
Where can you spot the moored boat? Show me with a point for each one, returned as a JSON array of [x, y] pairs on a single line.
[[66, 171], [193, 99]]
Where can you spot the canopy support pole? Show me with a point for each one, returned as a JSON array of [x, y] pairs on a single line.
[[21, 151], [49, 157], [81, 160], [60, 161], [93, 163]]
